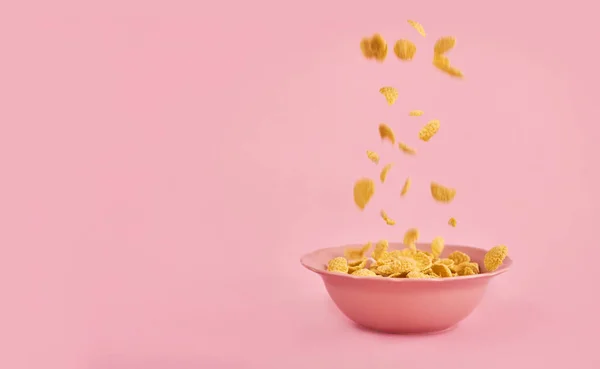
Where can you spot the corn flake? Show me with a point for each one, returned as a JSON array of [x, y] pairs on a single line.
[[373, 156], [443, 45], [495, 257], [357, 253], [381, 249], [405, 187], [437, 246], [361, 265], [384, 172], [390, 94], [406, 149], [374, 47], [405, 50], [415, 113], [410, 238], [441, 270], [387, 219], [459, 257], [418, 27], [386, 133], [364, 189], [422, 260], [338, 265], [441, 193], [364, 273], [429, 130], [467, 271], [443, 63], [452, 222]]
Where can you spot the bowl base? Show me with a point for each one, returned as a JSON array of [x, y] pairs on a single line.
[[409, 332]]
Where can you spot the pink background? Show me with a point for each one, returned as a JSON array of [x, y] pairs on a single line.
[[166, 163]]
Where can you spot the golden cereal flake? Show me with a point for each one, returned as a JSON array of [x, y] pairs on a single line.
[[495, 257], [386, 133], [441, 270], [406, 149], [384, 172], [361, 265], [390, 94], [364, 273], [415, 113], [443, 64], [364, 189], [459, 257], [380, 250], [447, 262], [405, 187], [374, 47], [416, 25], [459, 268], [355, 263], [396, 275], [452, 222], [410, 237], [373, 156], [441, 193], [338, 265], [444, 44], [423, 260], [405, 50], [467, 271], [387, 219], [437, 246], [357, 253], [417, 275], [429, 130]]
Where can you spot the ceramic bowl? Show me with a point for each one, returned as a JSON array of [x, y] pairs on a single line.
[[402, 305]]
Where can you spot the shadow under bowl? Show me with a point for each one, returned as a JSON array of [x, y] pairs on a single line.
[[402, 305]]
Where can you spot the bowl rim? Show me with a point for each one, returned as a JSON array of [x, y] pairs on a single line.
[[506, 265]]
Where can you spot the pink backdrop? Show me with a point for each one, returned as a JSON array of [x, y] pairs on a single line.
[[165, 164]]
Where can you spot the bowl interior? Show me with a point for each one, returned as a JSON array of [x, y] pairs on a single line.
[[318, 259]]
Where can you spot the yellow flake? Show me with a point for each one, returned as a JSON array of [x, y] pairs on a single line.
[[338, 265], [390, 94], [364, 273], [443, 63], [467, 271], [381, 249], [495, 257], [452, 222], [406, 149], [405, 50], [410, 238], [441, 270], [418, 27], [441, 193], [415, 113], [357, 253], [384, 172], [387, 219], [423, 260], [386, 133], [373, 156], [437, 246], [361, 265], [459, 257], [364, 189], [444, 44], [374, 47], [429, 130], [406, 187]]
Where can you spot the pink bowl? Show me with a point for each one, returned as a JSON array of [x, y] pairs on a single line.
[[401, 305]]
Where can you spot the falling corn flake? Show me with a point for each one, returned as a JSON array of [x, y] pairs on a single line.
[[373, 156], [418, 27], [390, 94], [443, 63], [429, 130], [406, 187], [374, 47], [459, 257], [338, 265], [380, 250], [364, 189], [410, 237], [357, 253], [364, 273], [444, 44], [386, 133], [452, 222], [441, 270], [441, 193], [415, 113], [437, 246], [495, 257], [406, 149], [384, 172], [405, 50], [387, 219]]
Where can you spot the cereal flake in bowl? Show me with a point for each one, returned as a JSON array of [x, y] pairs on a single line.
[[395, 295]]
